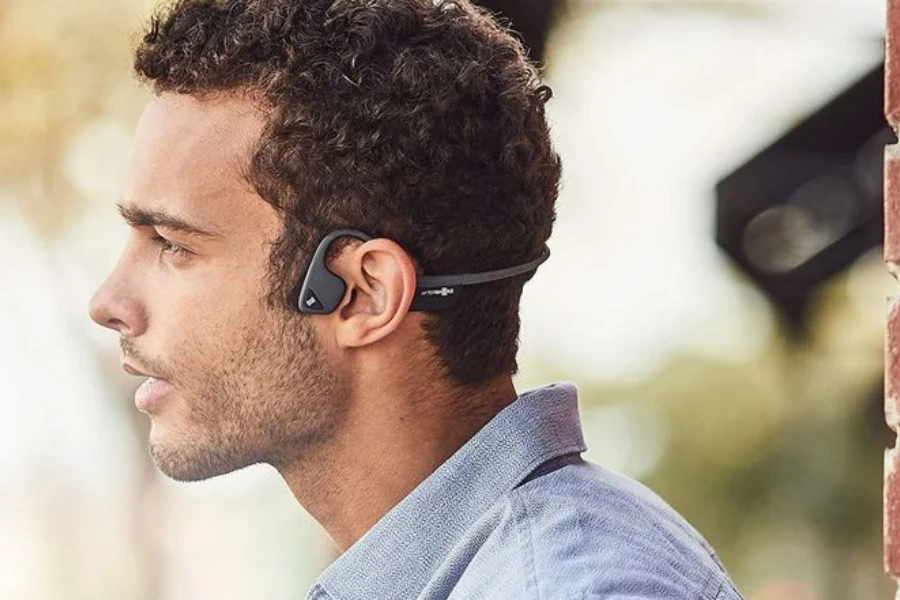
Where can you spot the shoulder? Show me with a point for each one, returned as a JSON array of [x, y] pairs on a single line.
[[594, 533]]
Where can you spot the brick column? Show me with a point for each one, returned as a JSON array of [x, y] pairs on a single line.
[[892, 257]]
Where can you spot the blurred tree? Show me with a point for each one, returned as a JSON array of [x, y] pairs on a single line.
[[64, 63]]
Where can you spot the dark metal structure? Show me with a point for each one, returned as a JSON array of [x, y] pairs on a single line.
[[810, 204]]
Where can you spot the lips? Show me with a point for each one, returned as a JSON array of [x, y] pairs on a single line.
[[148, 397], [132, 371]]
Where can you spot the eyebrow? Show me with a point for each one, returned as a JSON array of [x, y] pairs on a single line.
[[141, 217]]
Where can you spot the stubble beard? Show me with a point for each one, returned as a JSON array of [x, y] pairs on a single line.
[[268, 397]]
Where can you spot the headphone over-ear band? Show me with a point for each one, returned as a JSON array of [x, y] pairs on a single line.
[[322, 290]]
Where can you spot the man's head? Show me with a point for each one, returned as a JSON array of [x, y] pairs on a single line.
[[275, 122]]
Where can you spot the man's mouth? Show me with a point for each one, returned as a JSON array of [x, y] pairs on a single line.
[[133, 371], [149, 395]]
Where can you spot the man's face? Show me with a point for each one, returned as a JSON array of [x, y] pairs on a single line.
[[240, 382]]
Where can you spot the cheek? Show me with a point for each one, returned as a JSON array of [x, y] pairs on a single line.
[[203, 340], [205, 301], [204, 317]]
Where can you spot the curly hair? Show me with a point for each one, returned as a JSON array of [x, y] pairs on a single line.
[[421, 121]]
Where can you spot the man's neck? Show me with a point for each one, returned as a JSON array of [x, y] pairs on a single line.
[[391, 442]]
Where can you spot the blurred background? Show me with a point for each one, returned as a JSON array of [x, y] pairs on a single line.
[[716, 291]]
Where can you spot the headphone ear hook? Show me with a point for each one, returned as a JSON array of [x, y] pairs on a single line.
[[322, 290]]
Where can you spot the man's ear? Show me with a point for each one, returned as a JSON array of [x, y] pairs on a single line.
[[380, 278]]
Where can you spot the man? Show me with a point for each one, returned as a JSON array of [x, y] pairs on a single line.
[[334, 206]]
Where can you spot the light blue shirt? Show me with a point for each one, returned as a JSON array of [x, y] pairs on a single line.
[[515, 514]]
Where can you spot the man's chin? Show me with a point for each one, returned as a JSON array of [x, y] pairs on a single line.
[[192, 461]]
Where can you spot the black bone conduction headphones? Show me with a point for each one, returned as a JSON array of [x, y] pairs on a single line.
[[322, 290]]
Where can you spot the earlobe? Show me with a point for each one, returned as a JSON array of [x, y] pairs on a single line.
[[381, 280]]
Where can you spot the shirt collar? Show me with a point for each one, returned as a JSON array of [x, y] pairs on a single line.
[[399, 555]]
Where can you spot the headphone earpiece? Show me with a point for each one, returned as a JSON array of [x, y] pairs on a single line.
[[322, 290]]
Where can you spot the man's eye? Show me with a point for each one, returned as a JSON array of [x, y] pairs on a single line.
[[167, 247]]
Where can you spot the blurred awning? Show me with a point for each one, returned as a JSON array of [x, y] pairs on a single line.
[[809, 205]]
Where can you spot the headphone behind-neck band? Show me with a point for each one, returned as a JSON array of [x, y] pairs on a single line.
[[322, 290]]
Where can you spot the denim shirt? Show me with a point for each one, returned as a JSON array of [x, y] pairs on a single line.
[[515, 514]]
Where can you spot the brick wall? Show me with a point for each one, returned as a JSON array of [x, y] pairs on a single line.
[[892, 257]]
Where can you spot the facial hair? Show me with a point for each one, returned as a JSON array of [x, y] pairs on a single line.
[[262, 393]]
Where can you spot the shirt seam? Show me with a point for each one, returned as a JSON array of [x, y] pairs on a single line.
[[724, 585], [531, 580], [710, 583], [518, 498], [320, 593]]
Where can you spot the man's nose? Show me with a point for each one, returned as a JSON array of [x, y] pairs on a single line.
[[113, 307]]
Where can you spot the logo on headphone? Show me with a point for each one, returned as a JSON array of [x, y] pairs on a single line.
[[312, 302], [443, 292]]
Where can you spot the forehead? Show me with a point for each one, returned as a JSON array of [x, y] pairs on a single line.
[[190, 155]]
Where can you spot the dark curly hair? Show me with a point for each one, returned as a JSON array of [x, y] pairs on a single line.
[[416, 120]]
